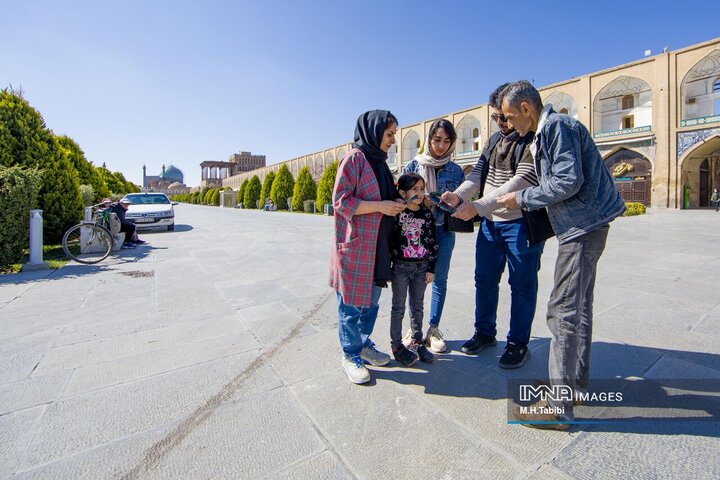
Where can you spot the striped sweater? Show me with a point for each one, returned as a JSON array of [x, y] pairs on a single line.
[[501, 180]]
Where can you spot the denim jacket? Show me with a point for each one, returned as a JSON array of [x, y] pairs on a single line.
[[449, 178], [575, 185]]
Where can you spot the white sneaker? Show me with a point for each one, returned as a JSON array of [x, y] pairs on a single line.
[[407, 339], [355, 370], [374, 357], [434, 340]]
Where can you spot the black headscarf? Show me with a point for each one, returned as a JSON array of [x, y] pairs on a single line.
[[369, 132]]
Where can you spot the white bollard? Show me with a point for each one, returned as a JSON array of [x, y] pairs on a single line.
[[36, 243], [88, 214]]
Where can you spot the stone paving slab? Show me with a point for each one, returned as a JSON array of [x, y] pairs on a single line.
[[212, 352]]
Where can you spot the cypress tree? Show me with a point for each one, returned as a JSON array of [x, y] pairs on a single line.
[[241, 192], [266, 186], [326, 184], [252, 192], [282, 188], [305, 189]]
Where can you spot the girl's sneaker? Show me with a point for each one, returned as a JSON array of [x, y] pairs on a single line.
[[403, 355], [422, 352]]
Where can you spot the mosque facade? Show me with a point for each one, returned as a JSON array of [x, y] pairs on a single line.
[[170, 181]]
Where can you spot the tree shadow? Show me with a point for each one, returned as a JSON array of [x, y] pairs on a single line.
[[665, 392], [74, 269]]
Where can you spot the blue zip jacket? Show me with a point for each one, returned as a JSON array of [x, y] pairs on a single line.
[[575, 185], [449, 178]]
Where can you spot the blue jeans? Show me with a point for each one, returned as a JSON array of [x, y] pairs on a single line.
[[355, 324], [499, 243], [446, 244]]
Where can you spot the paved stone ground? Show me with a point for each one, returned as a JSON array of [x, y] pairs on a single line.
[[212, 352]]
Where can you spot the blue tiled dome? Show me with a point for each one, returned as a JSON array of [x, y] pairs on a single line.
[[172, 174]]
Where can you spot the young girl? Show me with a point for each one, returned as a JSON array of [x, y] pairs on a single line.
[[414, 252]]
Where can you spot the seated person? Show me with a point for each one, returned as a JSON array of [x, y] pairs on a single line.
[[131, 238], [269, 205]]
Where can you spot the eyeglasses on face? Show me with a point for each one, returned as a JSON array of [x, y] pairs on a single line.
[[495, 117]]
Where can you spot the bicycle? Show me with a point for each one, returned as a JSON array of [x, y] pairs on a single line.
[[90, 242]]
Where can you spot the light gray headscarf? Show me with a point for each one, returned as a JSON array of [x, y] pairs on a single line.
[[428, 163]]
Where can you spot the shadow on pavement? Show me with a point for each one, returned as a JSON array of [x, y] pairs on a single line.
[[74, 269], [676, 392]]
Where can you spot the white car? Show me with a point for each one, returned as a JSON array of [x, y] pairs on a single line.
[[150, 210]]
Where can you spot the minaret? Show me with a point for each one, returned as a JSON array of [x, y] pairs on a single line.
[[163, 172], [144, 181]]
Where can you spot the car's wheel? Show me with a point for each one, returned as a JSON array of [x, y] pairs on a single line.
[[171, 227]]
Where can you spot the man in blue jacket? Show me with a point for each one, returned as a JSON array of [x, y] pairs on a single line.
[[581, 200]]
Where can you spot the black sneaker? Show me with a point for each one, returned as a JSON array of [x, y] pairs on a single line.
[[478, 343], [403, 355], [515, 355], [422, 352]]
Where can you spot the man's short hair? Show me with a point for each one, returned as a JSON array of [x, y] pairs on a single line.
[[496, 96], [522, 91]]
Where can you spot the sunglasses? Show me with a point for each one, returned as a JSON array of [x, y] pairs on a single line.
[[495, 117]]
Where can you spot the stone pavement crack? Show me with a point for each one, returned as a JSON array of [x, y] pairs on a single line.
[[165, 446]]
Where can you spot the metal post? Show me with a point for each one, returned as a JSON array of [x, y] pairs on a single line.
[[36, 243], [88, 214]]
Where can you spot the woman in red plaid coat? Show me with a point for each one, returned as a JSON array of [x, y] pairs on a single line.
[[365, 202]]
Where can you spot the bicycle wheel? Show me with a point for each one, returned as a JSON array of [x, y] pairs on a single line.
[[87, 243]]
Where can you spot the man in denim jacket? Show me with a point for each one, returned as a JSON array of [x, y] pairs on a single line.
[[581, 199]]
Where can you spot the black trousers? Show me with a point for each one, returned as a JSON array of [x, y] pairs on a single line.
[[129, 229]]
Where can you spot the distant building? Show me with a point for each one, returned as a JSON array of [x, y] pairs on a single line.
[[214, 172], [170, 181]]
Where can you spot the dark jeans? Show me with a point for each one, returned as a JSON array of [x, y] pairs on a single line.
[[129, 229], [570, 313], [499, 243], [407, 276]]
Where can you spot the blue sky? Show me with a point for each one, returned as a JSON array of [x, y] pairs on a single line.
[[180, 82]]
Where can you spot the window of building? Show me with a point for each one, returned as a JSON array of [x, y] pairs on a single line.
[[628, 121], [628, 102], [476, 132], [417, 144], [563, 111], [716, 86], [476, 146]]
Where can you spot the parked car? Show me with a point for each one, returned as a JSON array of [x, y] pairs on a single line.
[[150, 210]]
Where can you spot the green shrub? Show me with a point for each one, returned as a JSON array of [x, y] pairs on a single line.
[[282, 188], [634, 208], [19, 189], [325, 185], [88, 194], [215, 197], [266, 186], [252, 192], [305, 189], [201, 196], [241, 192], [25, 141]]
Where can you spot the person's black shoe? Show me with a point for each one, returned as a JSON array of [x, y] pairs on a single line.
[[478, 343], [515, 355], [139, 242], [422, 352], [403, 355]]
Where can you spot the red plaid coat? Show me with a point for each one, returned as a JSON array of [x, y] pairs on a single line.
[[352, 259]]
